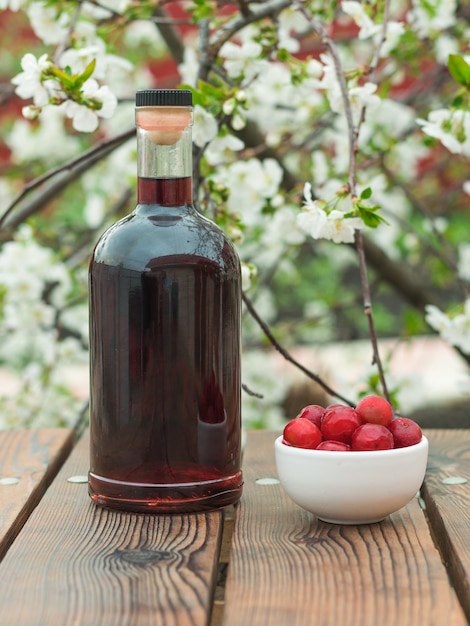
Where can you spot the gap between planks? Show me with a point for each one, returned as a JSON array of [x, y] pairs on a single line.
[[222, 570]]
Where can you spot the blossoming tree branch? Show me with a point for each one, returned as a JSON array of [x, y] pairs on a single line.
[[331, 142]]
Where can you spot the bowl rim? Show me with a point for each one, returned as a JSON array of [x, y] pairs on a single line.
[[342, 454]]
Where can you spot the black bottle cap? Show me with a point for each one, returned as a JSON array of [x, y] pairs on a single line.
[[163, 98]]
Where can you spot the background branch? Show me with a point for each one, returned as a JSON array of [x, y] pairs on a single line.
[[63, 175], [287, 356]]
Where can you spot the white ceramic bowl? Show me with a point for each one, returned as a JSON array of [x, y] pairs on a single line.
[[351, 487]]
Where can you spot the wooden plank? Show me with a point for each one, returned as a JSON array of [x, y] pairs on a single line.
[[76, 563], [287, 567], [29, 460], [448, 504]]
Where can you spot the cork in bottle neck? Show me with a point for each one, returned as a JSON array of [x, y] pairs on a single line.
[[164, 125]]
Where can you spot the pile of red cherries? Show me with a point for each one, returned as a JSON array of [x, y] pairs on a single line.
[[371, 425]]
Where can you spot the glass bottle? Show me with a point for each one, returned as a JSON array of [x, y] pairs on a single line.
[[165, 310]]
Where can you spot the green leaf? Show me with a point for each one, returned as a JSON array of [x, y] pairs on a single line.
[[63, 77], [202, 9], [366, 194], [458, 101], [372, 220], [369, 215], [460, 69], [85, 75], [283, 55], [196, 97], [211, 91]]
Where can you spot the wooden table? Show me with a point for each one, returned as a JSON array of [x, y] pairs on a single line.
[[66, 562]]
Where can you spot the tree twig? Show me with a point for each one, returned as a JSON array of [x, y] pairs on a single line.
[[233, 26], [64, 175], [287, 356], [353, 134]]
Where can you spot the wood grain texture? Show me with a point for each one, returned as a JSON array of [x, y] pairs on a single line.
[[448, 505], [32, 457], [289, 569], [78, 564]]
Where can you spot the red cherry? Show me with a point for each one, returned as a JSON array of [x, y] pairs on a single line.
[[339, 422], [337, 446], [405, 431], [302, 433], [372, 437], [312, 412], [376, 410]]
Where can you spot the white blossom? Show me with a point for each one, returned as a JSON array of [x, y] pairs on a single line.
[[248, 272], [452, 128], [228, 106], [13, 5], [251, 182], [47, 24], [85, 119], [29, 83], [270, 179], [112, 175], [340, 229], [443, 46], [430, 16], [436, 318], [94, 210], [313, 219], [369, 29], [221, 149], [6, 193], [466, 187], [459, 332], [28, 142], [320, 167], [363, 96], [79, 58], [464, 261], [392, 36], [29, 341], [314, 68], [26, 269], [143, 32], [437, 224], [329, 82], [455, 330], [189, 69], [205, 126], [277, 106], [279, 232], [291, 21], [359, 96], [31, 112], [238, 121], [241, 60], [361, 19], [274, 87], [105, 8], [321, 224]]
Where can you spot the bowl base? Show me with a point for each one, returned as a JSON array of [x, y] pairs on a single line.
[[355, 522]]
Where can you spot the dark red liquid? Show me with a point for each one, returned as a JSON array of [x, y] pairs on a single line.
[[165, 359]]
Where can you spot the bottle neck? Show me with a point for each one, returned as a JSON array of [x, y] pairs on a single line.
[[165, 191], [164, 155]]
